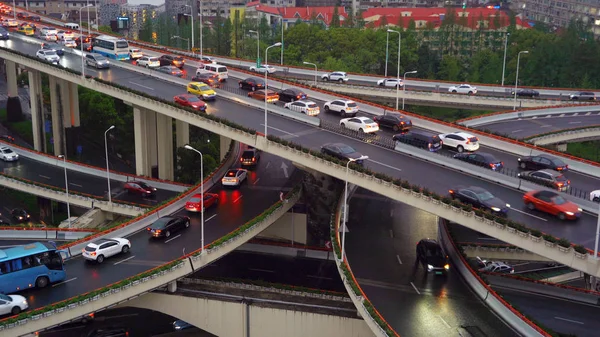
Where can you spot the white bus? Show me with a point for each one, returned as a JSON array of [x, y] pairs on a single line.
[[111, 47]]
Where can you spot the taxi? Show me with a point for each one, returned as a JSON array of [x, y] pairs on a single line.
[[202, 90], [27, 30]]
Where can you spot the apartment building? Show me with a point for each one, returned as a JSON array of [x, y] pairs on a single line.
[[559, 13]]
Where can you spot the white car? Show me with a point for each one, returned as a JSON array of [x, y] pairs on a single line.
[[135, 53], [103, 248], [360, 124], [12, 304], [344, 107], [48, 30], [595, 196], [338, 76], [306, 107], [208, 59], [7, 154], [65, 35], [390, 82], [234, 177], [461, 141], [69, 43], [263, 68], [49, 36], [463, 89], [48, 55], [10, 23], [148, 62]]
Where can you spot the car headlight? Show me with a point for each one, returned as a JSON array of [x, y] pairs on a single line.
[[446, 266], [429, 267], [496, 209], [508, 205], [569, 213], [579, 210], [20, 218], [25, 302]]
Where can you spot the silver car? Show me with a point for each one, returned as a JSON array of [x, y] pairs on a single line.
[[96, 60]]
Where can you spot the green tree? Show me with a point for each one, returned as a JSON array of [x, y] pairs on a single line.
[[335, 18], [449, 68], [188, 162], [105, 30]]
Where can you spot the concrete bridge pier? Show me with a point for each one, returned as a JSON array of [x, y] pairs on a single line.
[[144, 129], [182, 133], [224, 144], [37, 109], [164, 132], [64, 106]]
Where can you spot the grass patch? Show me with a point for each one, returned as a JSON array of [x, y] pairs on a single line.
[[586, 150]]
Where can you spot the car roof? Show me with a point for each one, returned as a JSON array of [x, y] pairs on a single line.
[[553, 159], [464, 134], [475, 189], [4, 148], [546, 193], [550, 172], [101, 241], [186, 95], [488, 156], [362, 118], [335, 144]]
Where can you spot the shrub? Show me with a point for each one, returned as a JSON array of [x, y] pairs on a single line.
[[564, 243], [479, 212], [535, 232], [580, 249], [405, 184], [446, 200], [456, 203], [436, 196], [467, 208], [549, 238], [416, 188], [426, 192]]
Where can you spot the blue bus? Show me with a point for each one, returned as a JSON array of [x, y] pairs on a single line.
[[33, 265], [111, 47]]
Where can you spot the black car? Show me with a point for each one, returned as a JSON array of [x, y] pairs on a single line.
[[342, 151], [60, 50], [527, 93], [252, 83], [583, 95], [20, 215], [394, 121], [541, 162], [548, 178], [35, 18], [172, 60], [432, 257], [291, 95], [166, 225], [420, 139], [480, 198], [109, 332], [482, 159], [4, 34], [250, 157]]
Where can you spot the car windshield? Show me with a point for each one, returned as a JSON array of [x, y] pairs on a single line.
[[153, 59], [557, 162], [90, 249], [248, 154], [178, 58], [313, 105], [159, 223], [434, 252], [204, 87], [7, 151], [346, 149], [195, 199], [222, 70], [143, 185], [122, 44], [352, 105], [231, 173], [368, 121], [99, 57], [558, 200], [561, 178], [5, 298], [50, 52], [193, 99], [483, 196], [473, 139]]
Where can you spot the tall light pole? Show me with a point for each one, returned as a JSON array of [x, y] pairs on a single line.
[[107, 168], [201, 195], [404, 86], [88, 13], [517, 78], [282, 46], [66, 188], [398, 72], [96, 12], [201, 23], [81, 41], [257, 47], [182, 38], [15, 10], [504, 63], [387, 48], [278, 44], [314, 65], [346, 205], [192, 16]]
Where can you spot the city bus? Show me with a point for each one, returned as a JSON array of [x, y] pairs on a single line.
[[111, 47], [34, 265]]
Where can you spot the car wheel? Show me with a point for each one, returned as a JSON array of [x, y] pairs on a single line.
[[167, 234], [343, 125], [187, 223], [523, 165], [41, 282], [470, 93], [562, 216], [15, 310], [326, 108], [381, 84], [460, 149], [596, 199], [341, 80], [325, 79], [125, 249], [147, 66], [395, 128], [530, 205], [100, 259], [454, 91], [361, 130]]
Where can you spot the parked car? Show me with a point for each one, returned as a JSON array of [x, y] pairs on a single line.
[[360, 124], [482, 159], [195, 203], [104, 248], [463, 89], [251, 83], [263, 68], [167, 225], [202, 90], [234, 177], [139, 188], [547, 178], [291, 95], [432, 257], [7, 154], [308, 108], [4, 34], [460, 141], [344, 107], [542, 162], [394, 121], [250, 157], [172, 60], [338, 76], [391, 82], [208, 59], [342, 151], [480, 198], [526, 93], [20, 215], [191, 101], [420, 139], [272, 96], [583, 95], [171, 70], [12, 304], [148, 62], [552, 203]]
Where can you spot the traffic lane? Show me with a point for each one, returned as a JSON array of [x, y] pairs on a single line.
[[295, 271], [527, 127], [235, 208], [399, 288], [564, 316], [8, 203]]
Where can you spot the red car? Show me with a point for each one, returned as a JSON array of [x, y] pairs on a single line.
[[191, 101], [139, 188], [552, 203], [193, 205]]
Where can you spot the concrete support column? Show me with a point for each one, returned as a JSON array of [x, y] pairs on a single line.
[[37, 109], [57, 121], [11, 78], [182, 133], [144, 129], [74, 119], [164, 132], [65, 102], [224, 144], [172, 286]]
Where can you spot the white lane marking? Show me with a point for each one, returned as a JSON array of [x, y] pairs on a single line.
[[236, 200], [391, 234], [214, 215], [319, 277], [386, 165], [268, 164], [575, 114], [63, 282], [534, 117], [545, 126], [262, 270], [173, 238], [120, 316], [569, 320], [517, 131], [287, 133], [417, 290], [141, 85], [443, 321], [127, 259], [75, 184], [46, 177], [588, 113], [398, 257], [531, 215], [579, 122], [256, 181], [561, 115]]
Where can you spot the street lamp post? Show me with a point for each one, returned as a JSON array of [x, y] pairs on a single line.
[[257, 46], [66, 189], [404, 86], [398, 72], [314, 65], [387, 48], [201, 195], [107, 168], [278, 44], [282, 46], [517, 78], [504, 63], [15, 10], [346, 204], [191, 15], [81, 40], [88, 14], [201, 23], [182, 38]]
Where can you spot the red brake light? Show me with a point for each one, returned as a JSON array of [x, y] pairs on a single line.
[[468, 142], [253, 159], [241, 159], [451, 191], [148, 229]]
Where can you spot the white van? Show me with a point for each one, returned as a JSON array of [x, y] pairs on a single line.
[[72, 26], [217, 69]]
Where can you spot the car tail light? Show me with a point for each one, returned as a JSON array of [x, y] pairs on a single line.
[[253, 159], [429, 146], [401, 123], [242, 159], [468, 142], [451, 191], [492, 165], [148, 229]]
